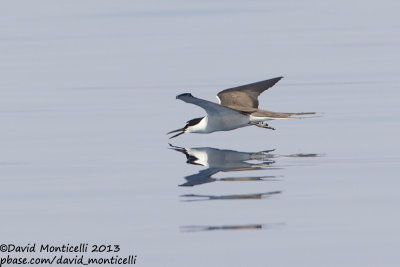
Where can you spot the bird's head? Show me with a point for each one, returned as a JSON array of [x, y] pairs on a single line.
[[186, 128]]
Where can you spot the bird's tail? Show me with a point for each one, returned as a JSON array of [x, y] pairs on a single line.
[[300, 113], [279, 115]]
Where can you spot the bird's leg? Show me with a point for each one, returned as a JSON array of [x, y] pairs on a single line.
[[262, 125]]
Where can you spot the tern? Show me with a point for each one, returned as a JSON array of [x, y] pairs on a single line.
[[237, 108]]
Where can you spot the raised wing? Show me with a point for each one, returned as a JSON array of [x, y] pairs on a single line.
[[212, 109], [245, 95]]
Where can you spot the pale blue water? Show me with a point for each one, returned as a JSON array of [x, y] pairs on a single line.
[[88, 94]]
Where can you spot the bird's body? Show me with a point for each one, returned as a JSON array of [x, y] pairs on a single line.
[[224, 122], [238, 108]]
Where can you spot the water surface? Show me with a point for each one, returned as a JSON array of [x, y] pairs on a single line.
[[88, 94]]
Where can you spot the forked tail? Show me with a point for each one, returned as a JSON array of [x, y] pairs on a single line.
[[279, 115], [300, 113]]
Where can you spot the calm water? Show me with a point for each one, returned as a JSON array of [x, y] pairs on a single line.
[[88, 94]]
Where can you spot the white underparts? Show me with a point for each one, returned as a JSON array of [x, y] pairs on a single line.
[[221, 122]]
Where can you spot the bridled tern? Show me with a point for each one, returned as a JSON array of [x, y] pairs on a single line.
[[238, 108]]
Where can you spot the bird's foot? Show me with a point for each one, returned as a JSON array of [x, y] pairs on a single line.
[[263, 125]]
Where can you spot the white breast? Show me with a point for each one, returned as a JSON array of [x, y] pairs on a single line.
[[223, 122]]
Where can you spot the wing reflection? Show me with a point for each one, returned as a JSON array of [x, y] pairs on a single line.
[[226, 197]]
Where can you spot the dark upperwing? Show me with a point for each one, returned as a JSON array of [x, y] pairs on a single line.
[[245, 95]]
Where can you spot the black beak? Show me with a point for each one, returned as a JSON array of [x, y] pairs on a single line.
[[177, 148], [182, 131]]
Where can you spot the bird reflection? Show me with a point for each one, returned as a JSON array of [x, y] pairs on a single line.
[[226, 161], [222, 160]]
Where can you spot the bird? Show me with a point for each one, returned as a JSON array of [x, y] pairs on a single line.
[[237, 108]]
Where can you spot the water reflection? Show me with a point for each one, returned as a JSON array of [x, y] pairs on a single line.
[[223, 160], [227, 161], [225, 197], [198, 228]]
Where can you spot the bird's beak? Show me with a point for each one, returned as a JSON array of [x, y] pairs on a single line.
[[182, 131]]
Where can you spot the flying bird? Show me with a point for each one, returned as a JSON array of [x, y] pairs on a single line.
[[238, 107]]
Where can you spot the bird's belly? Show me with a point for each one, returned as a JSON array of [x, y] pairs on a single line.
[[226, 123]]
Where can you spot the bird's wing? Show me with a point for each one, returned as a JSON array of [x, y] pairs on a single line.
[[212, 109], [202, 177], [245, 95]]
